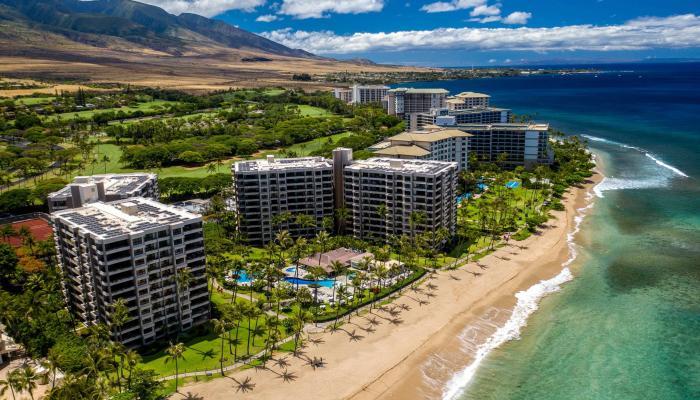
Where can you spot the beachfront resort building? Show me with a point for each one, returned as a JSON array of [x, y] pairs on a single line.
[[382, 194], [108, 187], [133, 249], [266, 189], [447, 117], [467, 100], [361, 94], [522, 144], [438, 145], [407, 102]]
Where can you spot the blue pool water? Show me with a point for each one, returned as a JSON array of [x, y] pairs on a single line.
[[512, 184], [324, 282], [243, 277]]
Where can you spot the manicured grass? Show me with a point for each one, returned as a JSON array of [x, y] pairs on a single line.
[[203, 353], [306, 148], [31, 101], [273, 92], [145, 107], [311, 111]]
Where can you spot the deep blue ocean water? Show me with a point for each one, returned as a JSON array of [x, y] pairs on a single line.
[[628, 325]]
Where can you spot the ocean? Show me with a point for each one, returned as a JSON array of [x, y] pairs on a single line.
[[622, 319]]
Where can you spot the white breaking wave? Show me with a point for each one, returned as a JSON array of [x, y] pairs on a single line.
[[669, 167], [647, 180], [639, 149], [528, 303]]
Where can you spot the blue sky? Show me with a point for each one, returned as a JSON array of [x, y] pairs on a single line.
[[468, 32]]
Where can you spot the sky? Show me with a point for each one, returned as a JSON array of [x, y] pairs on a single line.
[[467, 32]]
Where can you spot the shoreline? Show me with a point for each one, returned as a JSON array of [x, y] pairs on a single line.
[[373, 357]]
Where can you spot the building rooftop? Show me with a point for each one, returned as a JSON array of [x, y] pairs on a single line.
[[428, 167], [420, 90], [504, 127], [412, 150], [370, 86], [115, 184], [472, 95], [122, 217], [341, 255], [274, 164], [429, 136]]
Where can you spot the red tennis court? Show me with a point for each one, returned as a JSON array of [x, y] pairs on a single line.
[[40, 229]]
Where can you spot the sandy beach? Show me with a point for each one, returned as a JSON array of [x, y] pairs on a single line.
[[410, 352]]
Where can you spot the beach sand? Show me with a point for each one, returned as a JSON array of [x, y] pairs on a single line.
[[413, 356]]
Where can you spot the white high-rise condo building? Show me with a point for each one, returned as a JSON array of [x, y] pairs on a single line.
[[382, 194], [361, 94], [521, 144], [108, 187], [133, 249], [447, 117], [467, 100], [406, 102], [438, 145], [265, 190]]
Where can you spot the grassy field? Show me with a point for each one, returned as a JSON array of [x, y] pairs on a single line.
[[31, 101], [145, 107], [311, 111], [306, 148]]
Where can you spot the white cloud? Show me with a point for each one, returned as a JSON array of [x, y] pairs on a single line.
[[484, 10], [303, 9], [207, 8], [454, 5], [486, 19], [267, 18], [680, 31], [517, 18]]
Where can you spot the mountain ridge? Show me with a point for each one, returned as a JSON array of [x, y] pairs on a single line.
[[142, 24]]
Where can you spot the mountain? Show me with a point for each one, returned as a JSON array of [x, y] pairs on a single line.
[[107, 23]]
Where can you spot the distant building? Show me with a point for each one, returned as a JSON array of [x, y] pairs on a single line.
[[407, 102], [8, 348], [523, 144], [438, 145], [400, 188], [467, 100], [133, 249], [343, 94], [447, 117], [109, 187], [265, 189], [361, 94]]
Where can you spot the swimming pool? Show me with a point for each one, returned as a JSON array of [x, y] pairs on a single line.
[[293, 270], [323, 282], [512, 184], [243, 277]]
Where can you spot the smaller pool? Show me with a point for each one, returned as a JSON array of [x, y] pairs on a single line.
[[243, 277], [293, 270], [323, 282], [481, 186], [512, 184]]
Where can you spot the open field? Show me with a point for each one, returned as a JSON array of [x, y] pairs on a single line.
[[311, 111], [149, 106]]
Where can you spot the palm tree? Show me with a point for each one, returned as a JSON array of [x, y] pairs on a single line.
[[27, 238], [322, 242], [338, 268], [221, 326], [341, 215], [51, 365], [175, 352], [120, 316], [416, 218], [132, 360], [105, 160], [183, 279], [298, 251], [7, 231], [9, 383], [28, 380]]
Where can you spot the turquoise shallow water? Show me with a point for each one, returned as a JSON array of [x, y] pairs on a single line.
[[628, 325]]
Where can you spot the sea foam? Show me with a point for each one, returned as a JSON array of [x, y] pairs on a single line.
[[527, 303], [648, 180]]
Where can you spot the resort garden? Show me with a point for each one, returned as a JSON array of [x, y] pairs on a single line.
[[264, 300]]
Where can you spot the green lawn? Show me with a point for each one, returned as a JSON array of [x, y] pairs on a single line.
[[149, 106], [31, 101], [311, 111]]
